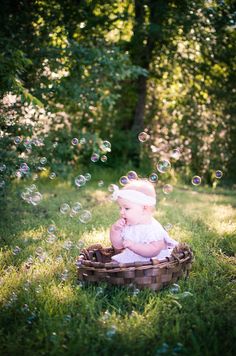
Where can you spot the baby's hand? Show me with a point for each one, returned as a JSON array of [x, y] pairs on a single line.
[[119, 224], [127, 243]]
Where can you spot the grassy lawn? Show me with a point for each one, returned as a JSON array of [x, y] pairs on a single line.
[[44, 311]]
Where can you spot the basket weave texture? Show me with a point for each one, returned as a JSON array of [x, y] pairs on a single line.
[[95, 265]]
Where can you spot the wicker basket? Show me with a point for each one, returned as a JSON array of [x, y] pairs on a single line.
[[95, 265]]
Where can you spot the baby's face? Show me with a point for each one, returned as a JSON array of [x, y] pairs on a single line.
[[131, 212]]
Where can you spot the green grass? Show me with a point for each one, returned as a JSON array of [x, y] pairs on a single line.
[[41, 314]]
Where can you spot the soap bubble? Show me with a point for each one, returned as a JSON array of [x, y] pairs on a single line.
[[65, 208], [80, 180], [43, 160], [143, 137], [167, 189], [111, 331], [51, 229], [218, 174], [163, 166], [112, 188], [196, 180], [153, 178], [17, 140], [124, 180], [52, 175], [163, 349], [74, 141], [24, 168], [68, 244], [176, 153], [51, 238], [32, 188], [100, 183], [87, 176], [82, 141], [18, 174], [95, 157], [2, 183], [103, 158], [76, 207], [85, 216], [136, 291], [2, 167], [105, 146], [16, 250], [132, 175], [35, 176], [36, 198], [175, 288]]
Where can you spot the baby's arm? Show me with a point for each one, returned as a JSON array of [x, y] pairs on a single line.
[[115, 234], [146, 250]]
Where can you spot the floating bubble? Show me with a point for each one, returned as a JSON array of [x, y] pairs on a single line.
[[105, 146], [76, 207], [175, 288], [167, 189], [124, 180], [196, 180], [82, 141], [111, 331], [87, 176], [17, 140], [103, 158], [43, 160], [163, 166], [2, 184], [185, 294], [32, 188], [100, 183], [80, 180], [112, 188], [95, 157], [16, 250], [176, 154], [85, 216], [218, 174], [74, 141], [100, 291], [65, 208], [64, 275], [106, 315], [143, 136], [2, 167], [51, 229], [132, 175], [36, 198], [52, 175], [153, 178], [136, 291], [51, 238], [68, 244], [73, 213], [38, 251], [18, 174], [35, 176], [24, 168], [80, 244]]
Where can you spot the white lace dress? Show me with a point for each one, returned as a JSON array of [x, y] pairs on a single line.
[[144, 233]]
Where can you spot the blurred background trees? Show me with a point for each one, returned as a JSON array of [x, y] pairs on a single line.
[[97, 70]]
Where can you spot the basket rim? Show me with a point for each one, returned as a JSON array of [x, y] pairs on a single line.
[[182, 254]]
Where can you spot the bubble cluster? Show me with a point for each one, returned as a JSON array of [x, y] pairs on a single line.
[[196, 180], [143, 136], [163, 166], [218, 174], [153, 178], [31, 195], [124, 180]]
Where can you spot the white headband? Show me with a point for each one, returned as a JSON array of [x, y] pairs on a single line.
[[134, 196]]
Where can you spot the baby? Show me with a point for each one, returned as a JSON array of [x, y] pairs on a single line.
[[137, 232]]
